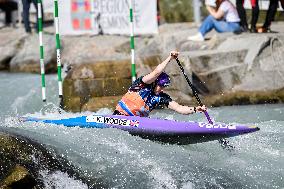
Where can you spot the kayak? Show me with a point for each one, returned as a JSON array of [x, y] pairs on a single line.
[[169, 131]]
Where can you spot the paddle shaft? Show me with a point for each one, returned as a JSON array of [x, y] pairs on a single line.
[[193, 91]]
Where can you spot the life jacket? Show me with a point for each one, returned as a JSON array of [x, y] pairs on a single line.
[[132, 104], [140, 100]]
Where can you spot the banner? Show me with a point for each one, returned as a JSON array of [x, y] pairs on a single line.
[[107, 17]]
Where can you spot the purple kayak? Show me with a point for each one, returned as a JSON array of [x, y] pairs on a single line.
[[169, 131]]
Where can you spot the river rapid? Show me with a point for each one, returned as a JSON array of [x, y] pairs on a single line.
[[120, 160]]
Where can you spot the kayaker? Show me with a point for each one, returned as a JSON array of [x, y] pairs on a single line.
[[146, 93]]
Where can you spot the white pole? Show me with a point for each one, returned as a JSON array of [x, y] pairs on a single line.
[[58, 47], [132, 46], [196, 12], [42, 70], [20, 10]]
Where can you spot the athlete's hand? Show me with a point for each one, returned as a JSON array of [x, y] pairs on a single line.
[[174, 55], [201, 108]]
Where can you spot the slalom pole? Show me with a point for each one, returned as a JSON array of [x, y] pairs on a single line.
[[41, 50], [133, 66], [58, 47]]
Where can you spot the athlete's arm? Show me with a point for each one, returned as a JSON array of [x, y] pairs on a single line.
[[185, 109], [218, 14], [151, 77]]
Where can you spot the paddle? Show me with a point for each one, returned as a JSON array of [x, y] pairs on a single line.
[[194, 91], [224, 143]]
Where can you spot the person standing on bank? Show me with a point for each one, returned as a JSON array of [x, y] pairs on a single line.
[[8, 6], [271, 12], [26, 14], [223, 18], [146, 93], [243, 16]]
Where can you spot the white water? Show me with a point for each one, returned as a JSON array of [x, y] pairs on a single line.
[[120, 160]]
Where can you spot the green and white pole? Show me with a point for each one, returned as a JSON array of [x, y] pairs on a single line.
[[58, 47], [133, 66], [42, 71]]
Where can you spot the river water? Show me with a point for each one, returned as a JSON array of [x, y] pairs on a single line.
[[121, 160]]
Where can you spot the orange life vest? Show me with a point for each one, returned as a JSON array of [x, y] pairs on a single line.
[[132, 104]]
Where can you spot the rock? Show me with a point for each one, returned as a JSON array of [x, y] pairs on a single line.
[[99, 82], [168, 41], [101, 69], [267, 71], [17, 167], [249, 72], [152, 48], [28, 57], [72, 103], [208, 44], [19, 177], [101, 87], [219, 71], [170, 28], [10, 40], [180, 97], [89, 49], [22, 160], [254, 44], [96, 103]]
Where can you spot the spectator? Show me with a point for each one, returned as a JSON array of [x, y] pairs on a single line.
[[8, 6], [273, 5], [223, 18], [26, 14], [243, 17]]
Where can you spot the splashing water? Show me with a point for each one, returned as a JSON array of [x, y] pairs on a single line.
[[61, 180]]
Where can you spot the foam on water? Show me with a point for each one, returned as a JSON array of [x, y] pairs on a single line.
[[60, 180]]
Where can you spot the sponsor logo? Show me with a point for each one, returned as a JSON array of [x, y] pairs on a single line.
[[216, 126], [112, 121]]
